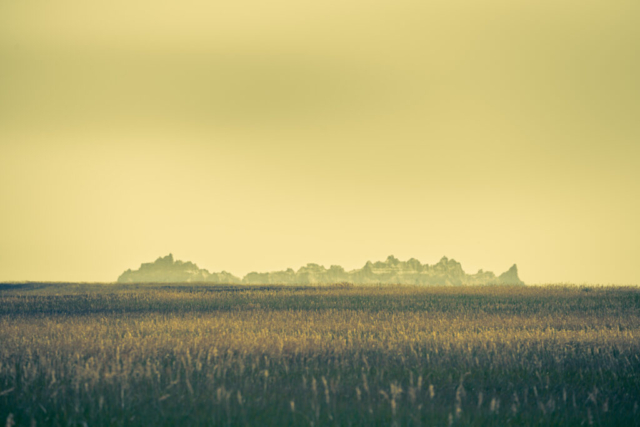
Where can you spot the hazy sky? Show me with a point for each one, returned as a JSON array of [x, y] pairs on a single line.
[[261, 135]]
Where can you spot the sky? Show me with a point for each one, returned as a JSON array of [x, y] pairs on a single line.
[[255, 136]]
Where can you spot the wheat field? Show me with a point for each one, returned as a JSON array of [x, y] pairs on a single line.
[[112, 355]]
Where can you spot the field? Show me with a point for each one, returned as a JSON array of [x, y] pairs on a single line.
[[155, 355]]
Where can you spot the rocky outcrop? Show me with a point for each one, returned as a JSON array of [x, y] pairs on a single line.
[[510, 277], [167, 270], [391, 271]]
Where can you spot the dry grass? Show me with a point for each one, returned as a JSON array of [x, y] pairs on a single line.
[[320, 356]]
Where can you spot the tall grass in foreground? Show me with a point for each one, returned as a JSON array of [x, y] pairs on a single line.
[[352, 356]]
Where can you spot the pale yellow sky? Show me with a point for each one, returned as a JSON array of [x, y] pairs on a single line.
[[252, 135]]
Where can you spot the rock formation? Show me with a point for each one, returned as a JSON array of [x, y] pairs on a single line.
[[166, 270], [392, 271], [510, 277]]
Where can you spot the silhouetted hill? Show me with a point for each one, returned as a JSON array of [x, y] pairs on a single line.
[[392, 271]]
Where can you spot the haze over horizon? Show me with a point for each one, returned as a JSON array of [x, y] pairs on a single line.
[[257, 136]]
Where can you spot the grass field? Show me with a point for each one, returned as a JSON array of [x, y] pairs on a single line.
[[99, 355]]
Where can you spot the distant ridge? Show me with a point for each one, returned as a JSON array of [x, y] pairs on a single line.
[[392, 271]]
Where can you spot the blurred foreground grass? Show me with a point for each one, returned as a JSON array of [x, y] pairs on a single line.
[[74, 354]]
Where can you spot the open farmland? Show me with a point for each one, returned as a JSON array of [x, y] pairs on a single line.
[[98, 355]]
